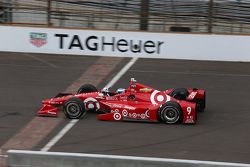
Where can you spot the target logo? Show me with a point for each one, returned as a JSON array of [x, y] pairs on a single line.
[[125, 113], [158, 97], [91, 103], [117, 116]]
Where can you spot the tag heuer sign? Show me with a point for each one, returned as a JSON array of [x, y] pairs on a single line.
[[38, 39]]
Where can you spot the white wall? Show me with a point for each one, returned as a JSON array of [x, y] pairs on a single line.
[[21, 158], [153, 45]]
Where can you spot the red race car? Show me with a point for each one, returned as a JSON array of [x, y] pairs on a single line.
[[137, 103]]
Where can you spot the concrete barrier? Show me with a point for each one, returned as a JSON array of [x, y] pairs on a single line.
[[21, 158]]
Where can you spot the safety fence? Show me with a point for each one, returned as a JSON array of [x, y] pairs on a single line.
[[208, 16]]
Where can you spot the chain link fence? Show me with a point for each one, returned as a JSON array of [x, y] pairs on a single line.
[[203, 16]]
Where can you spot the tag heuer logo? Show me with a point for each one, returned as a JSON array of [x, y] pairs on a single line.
[[38, 39]]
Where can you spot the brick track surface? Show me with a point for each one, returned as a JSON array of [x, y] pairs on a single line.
[[221, 134]]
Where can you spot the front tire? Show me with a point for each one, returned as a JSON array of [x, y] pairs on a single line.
[[87, 88], [74, 108], [171, 113]]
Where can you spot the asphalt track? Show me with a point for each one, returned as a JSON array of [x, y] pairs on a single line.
[[221, 134]]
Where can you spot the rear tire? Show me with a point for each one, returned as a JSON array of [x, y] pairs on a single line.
[[200, 104], [180, 93], [171, 113], [74, 108], [87, 88]]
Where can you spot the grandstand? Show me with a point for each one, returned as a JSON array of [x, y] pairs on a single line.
[[203, 16]]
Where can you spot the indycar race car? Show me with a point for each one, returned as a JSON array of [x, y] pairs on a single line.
[[136, 103]]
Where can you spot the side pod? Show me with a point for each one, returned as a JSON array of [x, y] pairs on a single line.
[[110, 117]]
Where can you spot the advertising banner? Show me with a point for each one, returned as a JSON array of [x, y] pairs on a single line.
[[125, 44]]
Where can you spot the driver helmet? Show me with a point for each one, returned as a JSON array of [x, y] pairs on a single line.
[[105, 91], [120, 90]]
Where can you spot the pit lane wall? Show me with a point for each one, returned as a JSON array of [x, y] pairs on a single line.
[[125, 43], [21, 158]]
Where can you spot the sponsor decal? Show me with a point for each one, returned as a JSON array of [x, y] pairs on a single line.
[[115, 111], [190, 119], [51, 112], [158, 97], [192, 95], [147, 113], [143, 116], [134, 115], [113, 44], [145, 90], [125, 113], [111, 98], [117, 116], [129, 107], [116, 106], [124, 98], [38, 39]]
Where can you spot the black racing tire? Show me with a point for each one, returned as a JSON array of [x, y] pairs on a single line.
[[62, 94], [74, 108], [171, 113], [179, 93], [200, 104], [87, 88]]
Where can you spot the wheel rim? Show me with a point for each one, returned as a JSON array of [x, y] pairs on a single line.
[[73, 109], [171, 115]]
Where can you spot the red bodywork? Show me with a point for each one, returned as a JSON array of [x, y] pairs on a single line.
[[138, 103]]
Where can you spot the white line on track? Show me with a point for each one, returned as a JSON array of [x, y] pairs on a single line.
[[55, 139], [121, 72]]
